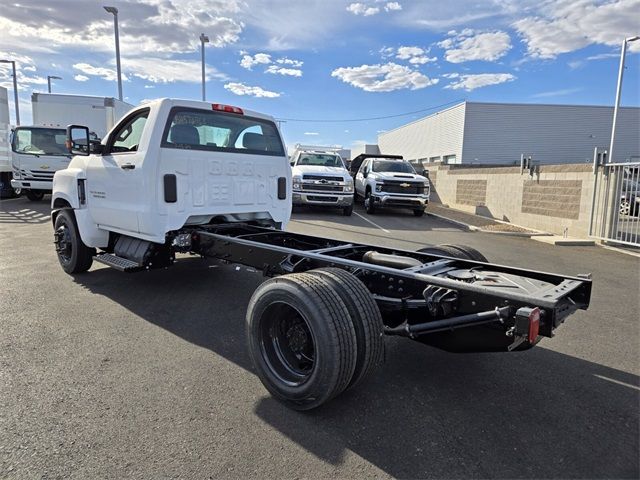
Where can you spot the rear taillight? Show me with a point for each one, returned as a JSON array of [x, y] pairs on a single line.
[[527, 323], [534, 324], [226, 108]]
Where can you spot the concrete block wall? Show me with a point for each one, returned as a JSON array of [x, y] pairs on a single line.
[[552, 199]]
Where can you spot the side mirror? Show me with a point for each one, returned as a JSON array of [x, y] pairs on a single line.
[[365, 174], [425, 173], [78, 142], [292, 163]]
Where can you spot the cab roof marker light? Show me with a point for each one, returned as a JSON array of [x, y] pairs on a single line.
[[226, 108]]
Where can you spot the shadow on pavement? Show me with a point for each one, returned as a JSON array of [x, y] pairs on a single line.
[[22, 210], [425, 413]]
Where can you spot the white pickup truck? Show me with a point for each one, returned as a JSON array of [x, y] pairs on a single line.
[[184, 177], [320, 178]]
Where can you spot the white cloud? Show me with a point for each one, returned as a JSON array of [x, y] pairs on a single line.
[[415, 55], [152, 26], [471, 82], [289, 61], [564, 27], [242, 89], [292, 72], [383, 78], [80, 78], [470, 45], [311, 133], [362, 9], [392, 6], [169, 71], [249, 61], [102, 72], [557, 93], [25, 69]]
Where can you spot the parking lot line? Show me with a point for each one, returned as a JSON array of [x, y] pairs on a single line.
[[372, 223]]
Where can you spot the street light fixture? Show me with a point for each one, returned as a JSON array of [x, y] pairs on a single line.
[[49, 78], [623, 53], [203, 39], [114, 12], [15, 88]]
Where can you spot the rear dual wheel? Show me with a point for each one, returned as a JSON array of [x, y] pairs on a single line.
[[309, 340], [456, 251]]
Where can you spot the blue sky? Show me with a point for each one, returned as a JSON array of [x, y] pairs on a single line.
[[328, 60]]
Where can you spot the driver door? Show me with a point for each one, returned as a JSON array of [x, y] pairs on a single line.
[[114, 179], [361, 179]]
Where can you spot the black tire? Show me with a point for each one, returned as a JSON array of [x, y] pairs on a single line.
[[74, 256], [35, 195], [369, 204], [470, 252], [419, 212], [301, 340], [365, 316], [455, 251], [347, 211]]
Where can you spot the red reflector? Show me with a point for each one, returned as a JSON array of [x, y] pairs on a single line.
[[226, 108], [534, 324]]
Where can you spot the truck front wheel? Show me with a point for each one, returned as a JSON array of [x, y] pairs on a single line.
[[301, 340], [369, 203], [74, 256], [35, 195]]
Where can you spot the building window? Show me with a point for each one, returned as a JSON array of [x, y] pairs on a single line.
[[449, 159]]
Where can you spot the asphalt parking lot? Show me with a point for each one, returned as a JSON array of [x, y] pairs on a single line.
[[146, 375]]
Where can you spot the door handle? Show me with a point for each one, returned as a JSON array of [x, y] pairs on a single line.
[[128, 166]]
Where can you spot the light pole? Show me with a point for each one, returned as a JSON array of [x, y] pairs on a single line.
[[114, 12], [203, 39], [49, 78], [15, 88], [623, 52]]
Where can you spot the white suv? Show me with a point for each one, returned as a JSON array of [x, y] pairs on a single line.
[[319, 177], [390, 181]]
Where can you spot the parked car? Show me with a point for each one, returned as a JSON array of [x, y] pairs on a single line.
[[630, 197], [389, 181], [321, 178]]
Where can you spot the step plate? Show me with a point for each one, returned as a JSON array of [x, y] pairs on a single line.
[[119, 263]]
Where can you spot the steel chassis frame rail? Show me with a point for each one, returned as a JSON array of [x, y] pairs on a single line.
[[424, 290]]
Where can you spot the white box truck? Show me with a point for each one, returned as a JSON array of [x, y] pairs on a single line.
[[5, 151], [38, 150]]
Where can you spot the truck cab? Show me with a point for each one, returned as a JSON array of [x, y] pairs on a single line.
[[320, 178], [173, 163], [389, 181], [36, 154]]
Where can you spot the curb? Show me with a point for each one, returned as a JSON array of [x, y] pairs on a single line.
[[472, 228]]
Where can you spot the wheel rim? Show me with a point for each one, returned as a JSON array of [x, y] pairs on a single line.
[[625, 208], [62, 240], [288, 347]]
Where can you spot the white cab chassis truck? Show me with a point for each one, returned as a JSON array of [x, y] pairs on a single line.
[[38, 150], [185, 177], [320, 178]]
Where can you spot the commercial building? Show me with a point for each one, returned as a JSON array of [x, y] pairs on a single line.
[[499, 133]]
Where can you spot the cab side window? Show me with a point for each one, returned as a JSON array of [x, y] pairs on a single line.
[[127, 137]]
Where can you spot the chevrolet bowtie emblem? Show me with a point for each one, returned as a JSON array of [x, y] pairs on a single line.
[[44, 167], [405, 185]]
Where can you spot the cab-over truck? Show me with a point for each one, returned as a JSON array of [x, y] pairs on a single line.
[[185, 177]]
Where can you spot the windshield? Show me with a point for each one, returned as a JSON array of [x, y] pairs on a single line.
[[40, 141], [392, 166], [319, 159]]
